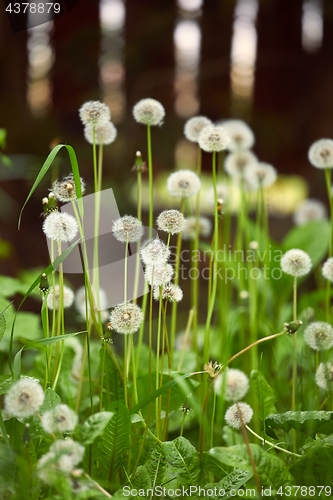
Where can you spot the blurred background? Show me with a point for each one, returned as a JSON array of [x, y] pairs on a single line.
[[268, 62]]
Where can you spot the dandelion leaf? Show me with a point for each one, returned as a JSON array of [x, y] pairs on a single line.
[[265, 394], [309, 422], [5, 382], [229, 484], [271, 470], [141, 478], [315, 468], [94, 426], [156, 466], [183, 462]]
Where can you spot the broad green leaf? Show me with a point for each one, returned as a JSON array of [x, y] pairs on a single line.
[[51, 340], [10, 286], [271, 470], [141, 479], [232, 481], [114, 442], [5, 382], [184, 461], [51, 400], [156, 466], [94, 426], [265, 394], [315, 468], [309, 422], [2, 326], [47, 164], [313, 238], [213, 465]]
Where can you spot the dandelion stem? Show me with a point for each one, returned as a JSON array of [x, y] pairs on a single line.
[[150, 181], [271, 444]]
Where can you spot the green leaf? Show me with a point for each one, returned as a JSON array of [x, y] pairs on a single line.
[[213, 465], [271, 470], [2, 326], [141, 479], [232, 481], [309, 422], [114, 442], [5, 382], [312, 238], [47, 164], [113, 384], [315, 468], [265, 394], [10, 286], [17, 365], [51, 340], [3, 135], [94, 426], [51, 400], [156, 466], [184, 461]]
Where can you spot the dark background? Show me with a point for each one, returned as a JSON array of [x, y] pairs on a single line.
[[291, 105]]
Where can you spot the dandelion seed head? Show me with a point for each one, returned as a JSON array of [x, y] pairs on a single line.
[[154, 251], [53, 297], [193, 127], [260, 175], [60, 419], [296, 263], [24, 398], [158, 274], [222, 193], [319, 336], [327, 269], [170, 292], [94, 113], [321, 153], [149, 112], [100, 301], [183, 184], [213, 138], [127, 228], [171, 221], [204, 227], [105, 133], [126, 318], [309, 210], [236, 163], [241, 136], [60, 226], [237, 414], [64, 190], [324, 376], [235, 382]]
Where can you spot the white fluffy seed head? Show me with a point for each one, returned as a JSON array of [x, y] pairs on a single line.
[[64, 190], [319, 336], [309, 210], [235, 163], [100, 302], [222, 193], [171, 221], [24, 398], [68, 453], [149, 112], [59, 420], [238, 414], [193, 127], [158, 274], [235, 382], [105, 133], [321, 153], [259, 175], [126, 318], [127, 228], [204, 227], [183, 184], [154, 251], [94, 112], [324, 376], [60, 226], [296, 263], [213, 138], [53, 297], [327, 269], [241, 136], [170, 292]]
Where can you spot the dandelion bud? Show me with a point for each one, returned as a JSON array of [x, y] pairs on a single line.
[[238, 415], [126, 318], [44, 284], [45, 201], [60, 226], [149, 112], [139, 165], [26, 434], [293, 326], [24, 398], [183, 184], [296, 263], [212, 369], [321, 153], [171, 221], [319, 336]]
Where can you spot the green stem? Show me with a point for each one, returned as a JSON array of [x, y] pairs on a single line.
[[271, 444], [150, 182]]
